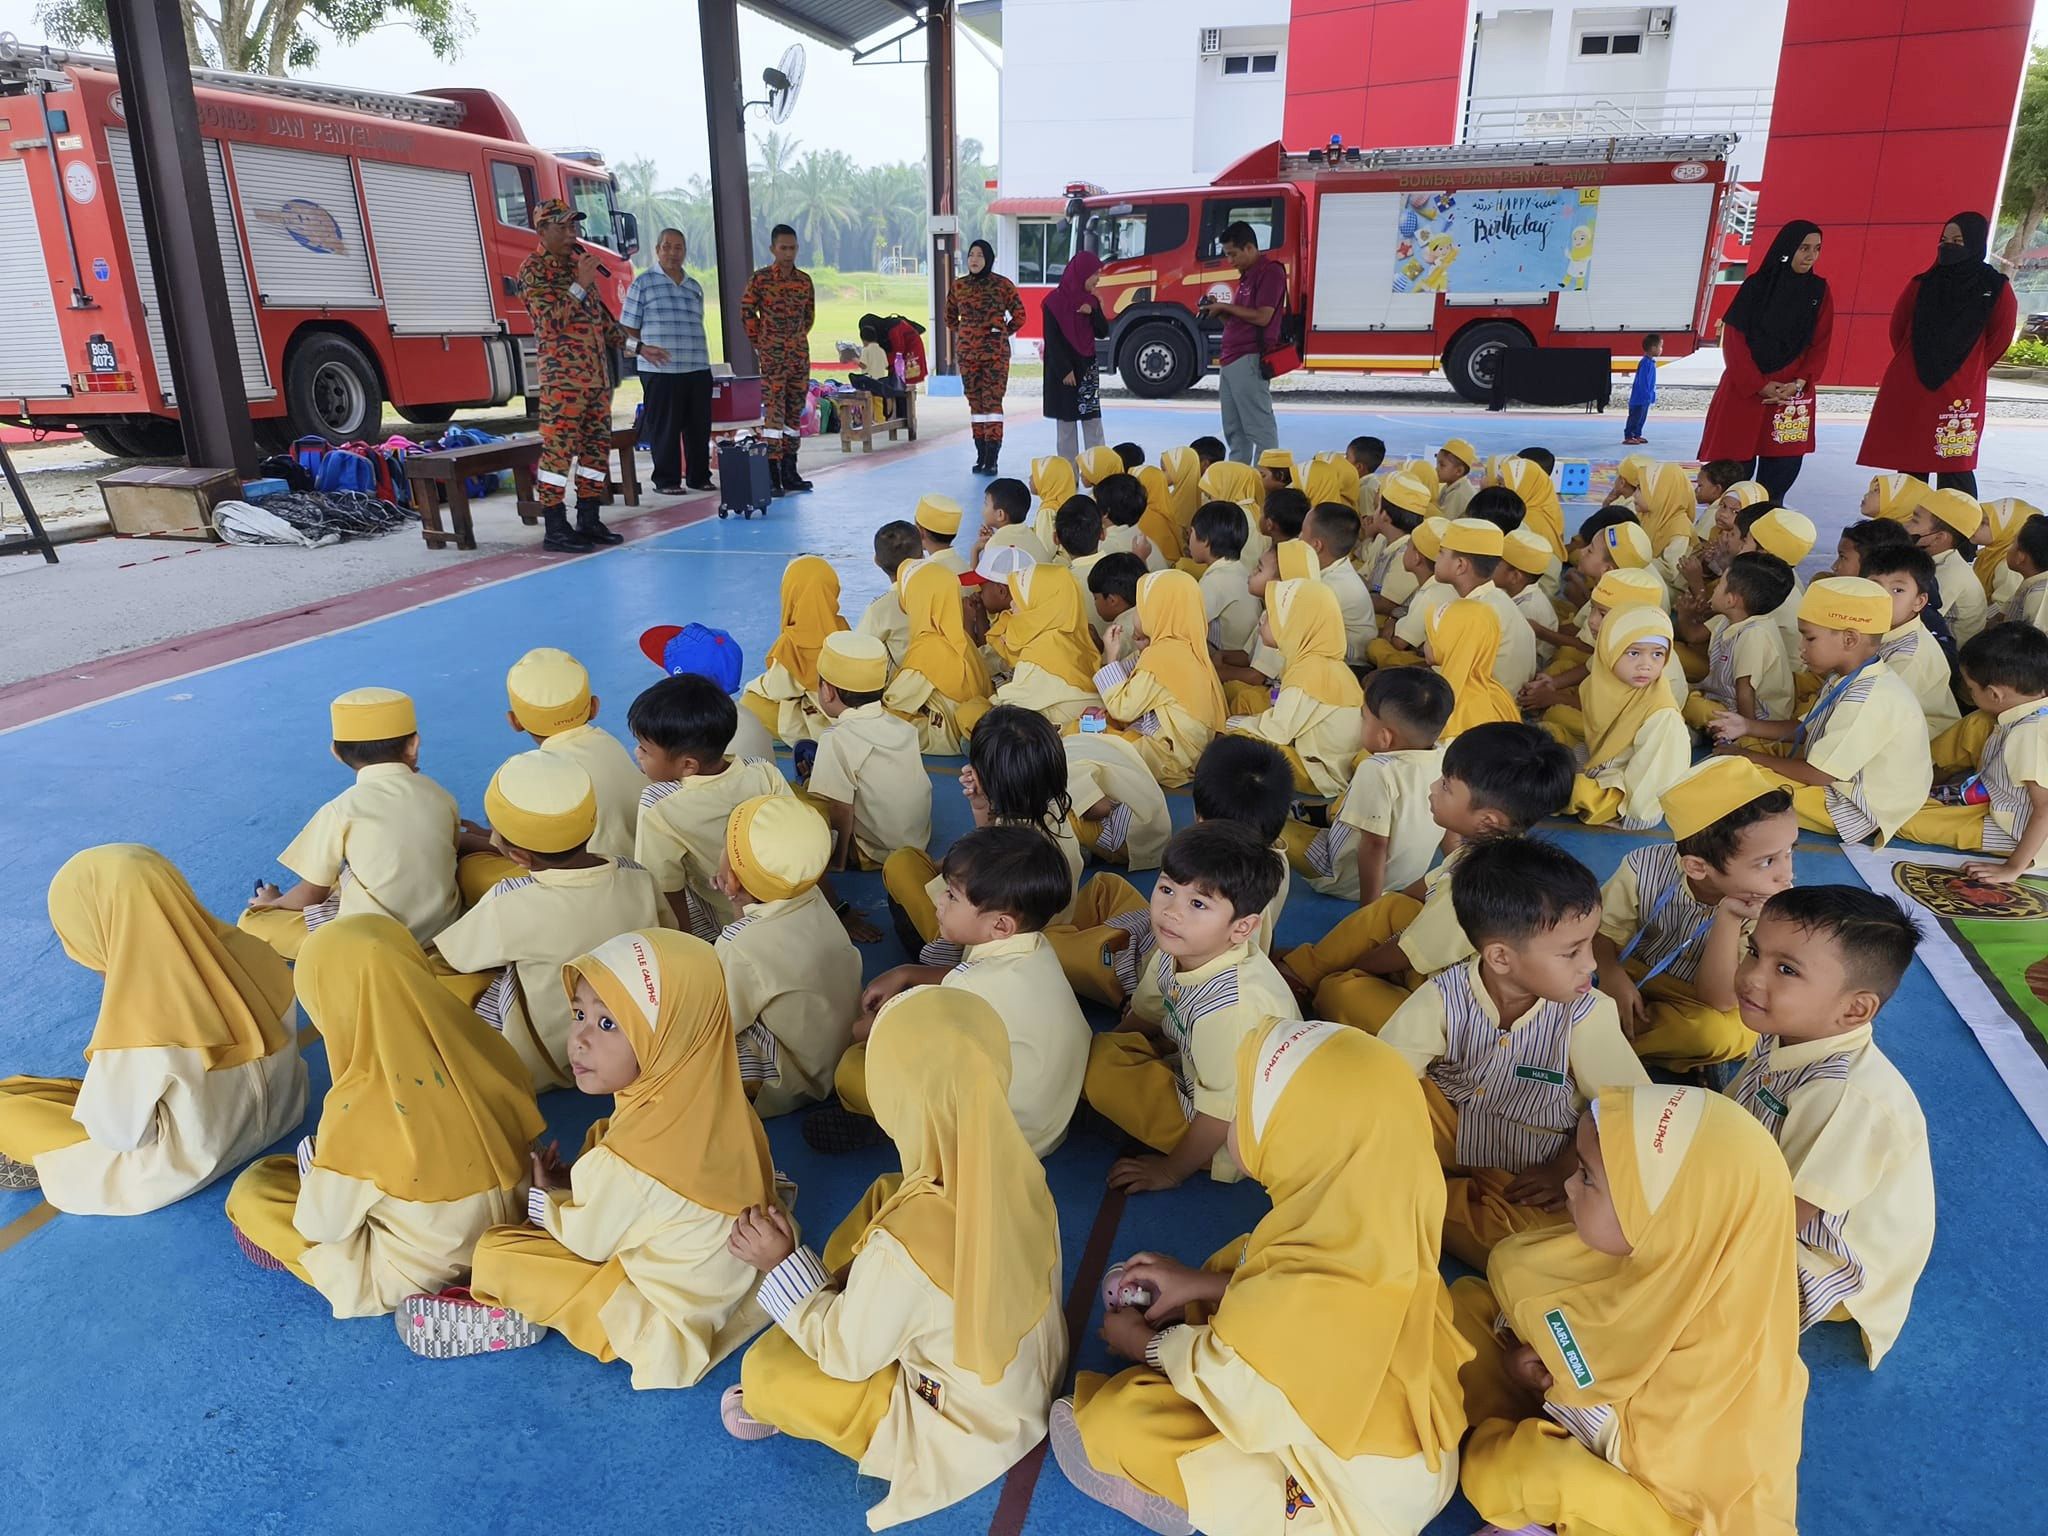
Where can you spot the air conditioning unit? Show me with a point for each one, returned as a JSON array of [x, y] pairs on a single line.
[[1212, 40], [1660, 21]]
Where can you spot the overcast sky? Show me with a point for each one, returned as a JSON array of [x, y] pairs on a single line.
[[625, 77]]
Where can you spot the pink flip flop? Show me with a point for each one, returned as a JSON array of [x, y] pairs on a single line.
[[261, 1258], [1126, 1498], [740, 1424], [454, 1323]]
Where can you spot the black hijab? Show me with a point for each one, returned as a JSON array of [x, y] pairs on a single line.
[[988, 258], [1776, 308], [1954, 302]]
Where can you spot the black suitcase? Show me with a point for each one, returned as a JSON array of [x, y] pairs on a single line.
[[745, 483]]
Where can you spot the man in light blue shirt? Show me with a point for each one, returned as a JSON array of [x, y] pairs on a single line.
[[664, 316]]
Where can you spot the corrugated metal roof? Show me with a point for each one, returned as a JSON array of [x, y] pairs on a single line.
[[1030, 207], [839, 23]]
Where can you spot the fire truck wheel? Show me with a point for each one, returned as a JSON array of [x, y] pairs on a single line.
[[103, 439], [426, 415], [1469, 363], [332, 391], [148, 437], [1157, 360]]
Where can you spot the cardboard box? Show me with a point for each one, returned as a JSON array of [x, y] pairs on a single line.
[[167, 503]]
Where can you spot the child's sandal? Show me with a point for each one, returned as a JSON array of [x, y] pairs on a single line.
[[739, 1423], [454, 1323], [15, 1175], [261, 1258], [1125, 1497]]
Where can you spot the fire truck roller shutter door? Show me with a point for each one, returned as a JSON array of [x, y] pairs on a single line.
[[31, 346], [1645, 270], [305, 230], [430, 250], [1355, 237]]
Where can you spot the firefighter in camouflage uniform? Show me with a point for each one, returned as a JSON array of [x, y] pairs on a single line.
[[985, 310], [779, 308], [573, 333]]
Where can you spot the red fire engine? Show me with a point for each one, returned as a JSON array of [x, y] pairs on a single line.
[[370, 243], [1414, 259]]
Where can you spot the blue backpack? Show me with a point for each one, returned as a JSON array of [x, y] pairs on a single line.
[[470, 437]]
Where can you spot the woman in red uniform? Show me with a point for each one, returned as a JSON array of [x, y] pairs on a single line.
[[1950, 325], [985, 309], [1773, 346]]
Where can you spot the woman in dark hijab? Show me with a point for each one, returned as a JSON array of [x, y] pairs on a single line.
[[1774, 344], [985, 310], [1073, 322], [1950, 325]]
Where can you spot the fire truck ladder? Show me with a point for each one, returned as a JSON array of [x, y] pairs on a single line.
[[22, 64], [1632, 150]]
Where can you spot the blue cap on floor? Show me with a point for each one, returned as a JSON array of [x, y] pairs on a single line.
[[695, 649]]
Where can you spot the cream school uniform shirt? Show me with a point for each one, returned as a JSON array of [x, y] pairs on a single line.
[[1752, 650], [682, 833], [798, 714], [1786, 616], [1125, 627], [386, 846], [1354, 602], [1412, 628], [1856, 1141], [1388, 797], [1963, 602], [1232, 610], [1101, 766], [1120, 539], [1323, 736], [951, 558], [1390, 577], [1433, 938], [1650, 887], [1170, 739], [1537, 608], [792, 974], [1515, 662], [1519, 1085], [1655, 761], [1454, 498], [885, 620], [1032, 687], [1916, 656], [871, 760], [750, 738], [2028, 602], [1020, 977], [372, 1250], [1871, 740], [617, 779], [2015, 756], [1204, 1014], [527, 927], [686, 1303]]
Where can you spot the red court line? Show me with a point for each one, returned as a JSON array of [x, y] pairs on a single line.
[[92, 682]]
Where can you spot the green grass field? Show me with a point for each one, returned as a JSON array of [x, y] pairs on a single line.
[[843, 297]]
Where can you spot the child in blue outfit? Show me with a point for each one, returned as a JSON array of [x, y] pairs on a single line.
[[1644, 394]]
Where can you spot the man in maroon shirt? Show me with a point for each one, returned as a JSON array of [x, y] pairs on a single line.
[[1251, 328]]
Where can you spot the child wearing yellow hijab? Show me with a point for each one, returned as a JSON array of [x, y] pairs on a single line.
[[193, 1066], [2003, 519], [1183, 467], [1053, 647], [785, 696], [1315, 721], [943, 685], [626, 1256], [1895, 497], [1321, 1378], [1332, 477], [423, 1139], [1464, 638], [1638, 744], [1052, 482], [926, 1344], [1169, 701], [1647, 1379], [1613, 592], [1664, 502]]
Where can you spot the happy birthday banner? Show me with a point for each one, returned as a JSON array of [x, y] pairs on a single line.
[[1528, 240]]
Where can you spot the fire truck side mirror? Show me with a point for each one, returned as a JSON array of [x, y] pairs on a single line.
[[626, 232]]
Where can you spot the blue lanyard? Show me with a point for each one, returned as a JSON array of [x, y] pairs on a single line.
[[1976, 780], [1827, 700], [1656, 911]]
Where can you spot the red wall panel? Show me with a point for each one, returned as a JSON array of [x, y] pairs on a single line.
[[1380, 72]]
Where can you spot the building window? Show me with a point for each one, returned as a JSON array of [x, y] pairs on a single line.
[[1251, 63], [1610, 43], [1043, 246]]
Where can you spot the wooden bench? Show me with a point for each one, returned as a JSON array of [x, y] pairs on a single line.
[[858, 421], [437, 478]]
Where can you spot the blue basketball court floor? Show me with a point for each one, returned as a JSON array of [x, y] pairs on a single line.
[[156, 1381]]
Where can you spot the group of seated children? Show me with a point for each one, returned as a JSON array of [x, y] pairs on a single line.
[[1365, 675]]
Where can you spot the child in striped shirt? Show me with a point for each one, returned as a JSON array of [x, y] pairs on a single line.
[[1513, 1043]]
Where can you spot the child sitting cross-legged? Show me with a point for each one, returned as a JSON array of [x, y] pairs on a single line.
[[1169, 1077], [423, 1138], [1676, 916], [2028, 561], [1471, 556], [925, 1343], [1166, 699], [1823, 960], [626, 1252], [550, 701], [2002, 806], [1216, 542], [1311, 1366], [1637, 744], [942, 686], [868, 776], [784, 697], [1748, 669], [1003, 883], [694, 650], [1525, 557], [1331, 533], [1946, 524], [1314, 720], [1078, 538], [1113, 601], [1051, 645], [1381, 836], [1006, 519], [792, 976], [1512, 1043], [1909, 648], [1406, 630], [896, 544], [1495, 779], [1123, 503], [1863, 766]]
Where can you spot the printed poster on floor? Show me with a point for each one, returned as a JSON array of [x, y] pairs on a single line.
[[1496, 240]]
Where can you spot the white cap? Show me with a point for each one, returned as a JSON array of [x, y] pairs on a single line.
[[999, 562]]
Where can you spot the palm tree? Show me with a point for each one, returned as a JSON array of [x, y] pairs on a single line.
[[818, 204], [641, 195]]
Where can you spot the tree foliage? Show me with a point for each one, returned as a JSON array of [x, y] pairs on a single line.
[[2026, 173], [269, 37]]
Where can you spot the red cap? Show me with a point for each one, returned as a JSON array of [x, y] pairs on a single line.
[[654, 643]]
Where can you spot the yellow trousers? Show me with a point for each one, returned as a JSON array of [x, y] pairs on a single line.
[[1248, 698], [765, 710], [282, 928], [1961, 746], [1087, 948], [1699, 710], [527, 1270], [1809, 803], [1683, 1032], [476, 873], [1477, 1210], [850, 1079], [1386, 653], [905, 874], [1520, 1468], [1566, 724], [1089, 835], [783, 1386], [261, 1203], [1568, 659], [35, 1116], [1297, 836], [1330, 967], [1693, 661], [1593, 803], [1132, 1087], [1960, 827]]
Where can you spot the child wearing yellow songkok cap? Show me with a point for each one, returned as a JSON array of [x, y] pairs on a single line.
[[1675, 920], [1276, 468], [387, 844], [510, 946], [1862, 765], [1454, 463], [1471, 557], [1946, 524], [1787, 535], [1525, 556], [937, 520], [869, 777], [792, 976], [1402, 645], [549, 695], [1404, 502]]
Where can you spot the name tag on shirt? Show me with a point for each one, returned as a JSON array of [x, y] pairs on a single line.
[[1574, 1359], [1541, 1075], [1772, 1102]]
